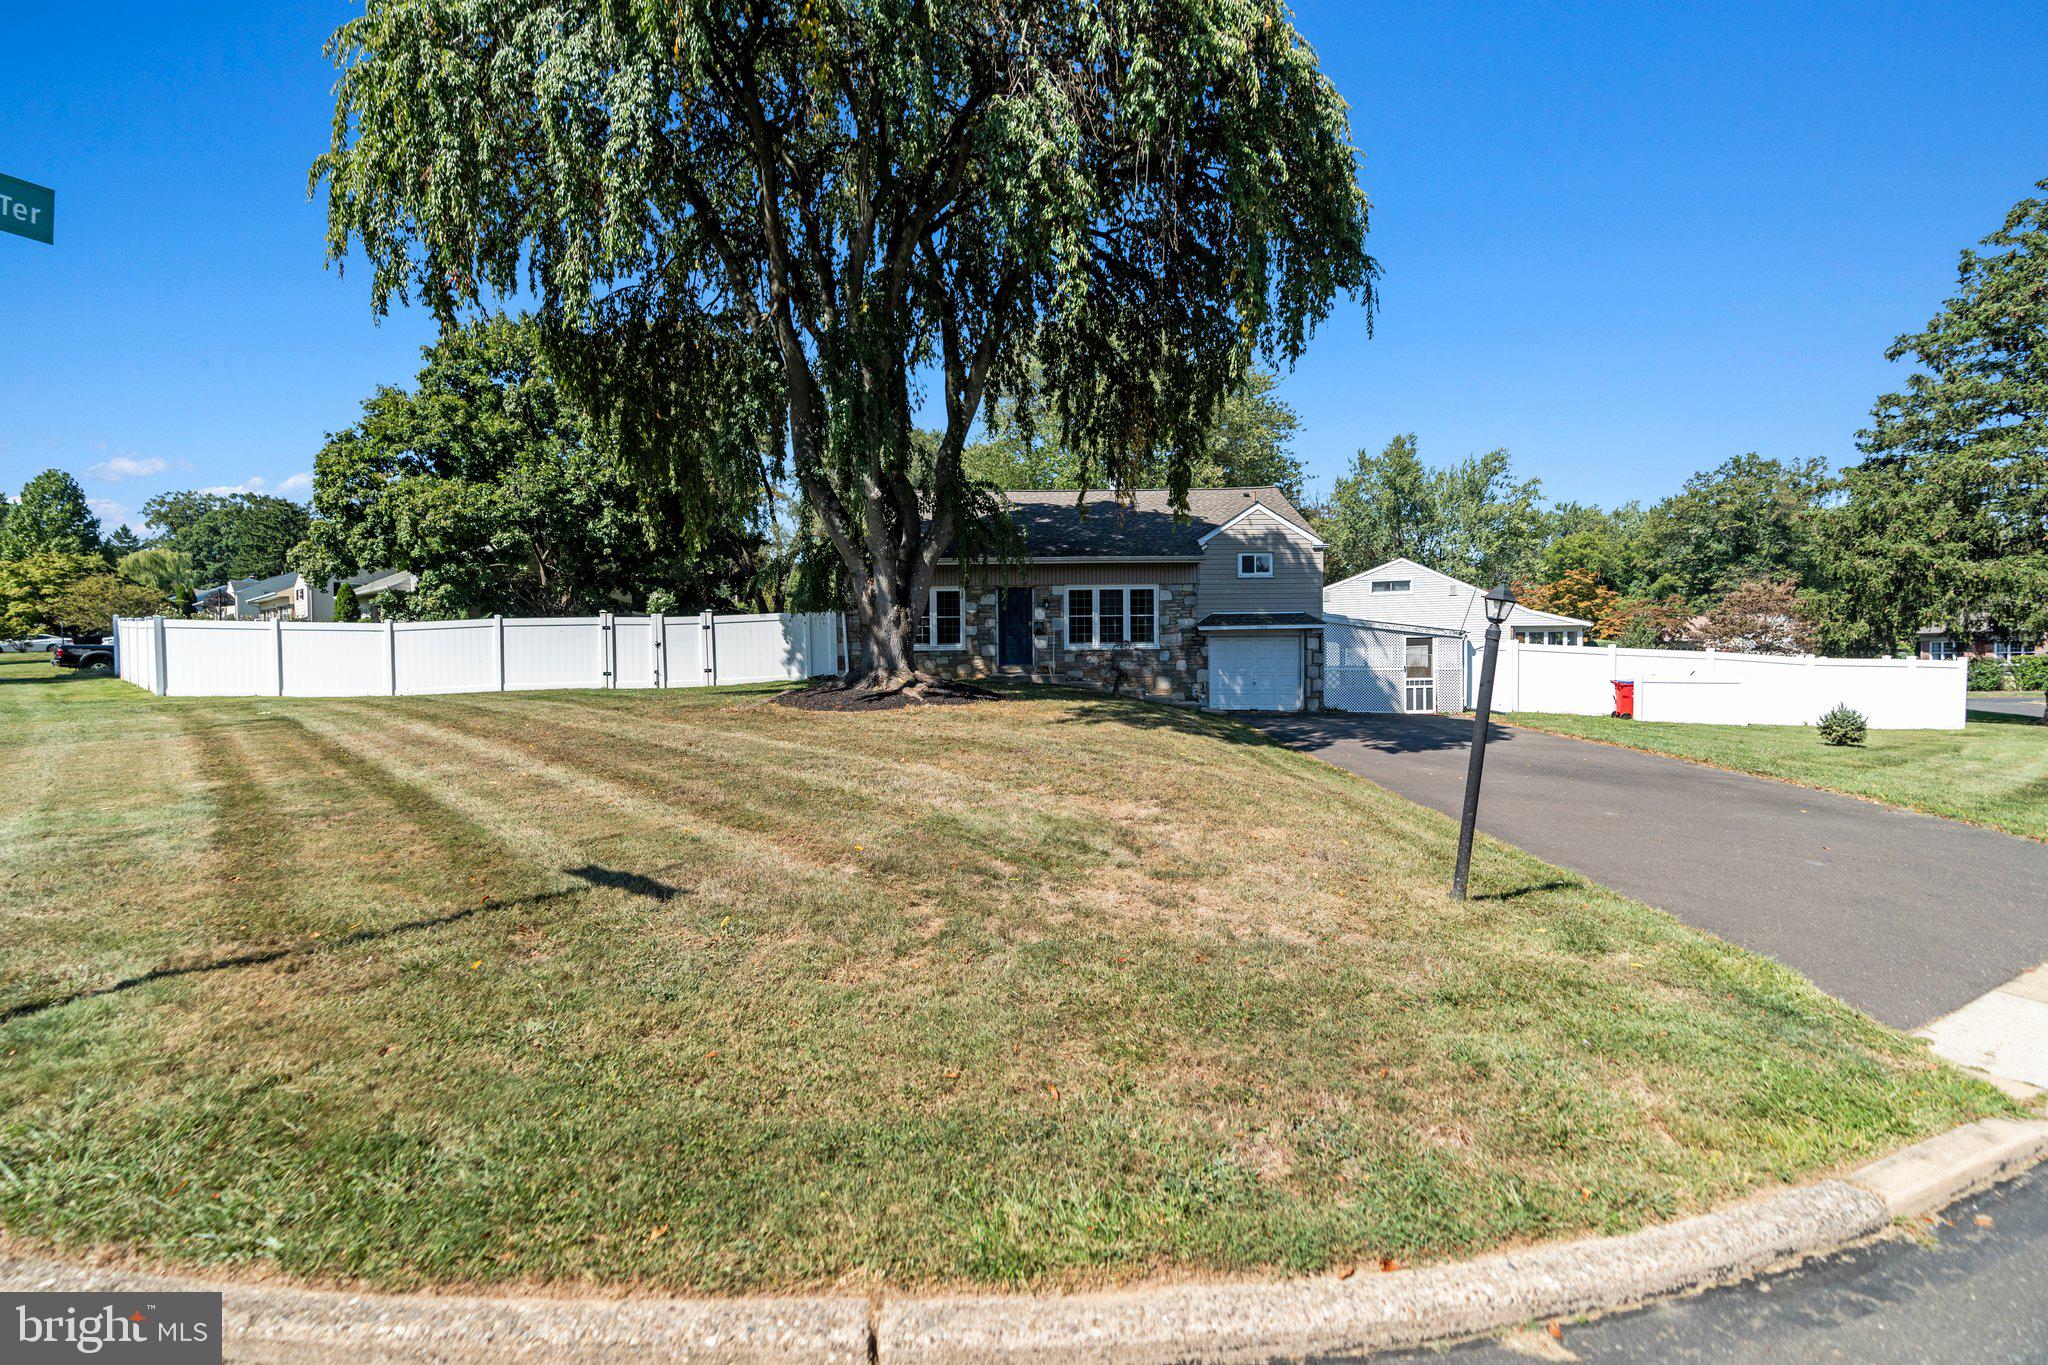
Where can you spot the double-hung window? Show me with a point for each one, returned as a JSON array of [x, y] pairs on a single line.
[[940, 626], [1941, 647], [2009, 648], [1112, 618]]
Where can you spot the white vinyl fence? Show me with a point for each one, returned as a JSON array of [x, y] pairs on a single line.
[[498, 654], [1716, 688]]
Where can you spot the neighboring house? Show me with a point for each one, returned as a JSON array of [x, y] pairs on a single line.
[[1219, 608], [1403, 637], [225, 601], [293, 597], [1985, 642]]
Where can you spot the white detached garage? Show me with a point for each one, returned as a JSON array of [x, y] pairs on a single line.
[[1389, 666]]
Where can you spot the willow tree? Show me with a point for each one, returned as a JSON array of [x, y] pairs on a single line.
[[801, 227]]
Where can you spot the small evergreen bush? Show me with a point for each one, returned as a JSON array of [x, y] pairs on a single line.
[[1843, 725]]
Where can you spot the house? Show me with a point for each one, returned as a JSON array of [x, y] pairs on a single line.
[[1403, 637], [291, 596], [224, 601], [1984, 642], [1218, 608]]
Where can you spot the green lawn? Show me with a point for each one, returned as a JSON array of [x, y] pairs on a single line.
[[1994, 771], [693, 991]]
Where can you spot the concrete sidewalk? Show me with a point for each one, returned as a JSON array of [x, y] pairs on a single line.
[[1906, 916]]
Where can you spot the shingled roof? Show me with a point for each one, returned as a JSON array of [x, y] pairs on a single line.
[[1055, 527]]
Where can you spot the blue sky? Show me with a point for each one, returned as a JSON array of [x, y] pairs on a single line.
[[1624, 241]]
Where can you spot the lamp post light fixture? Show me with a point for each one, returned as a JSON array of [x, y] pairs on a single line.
[[1499, 603]]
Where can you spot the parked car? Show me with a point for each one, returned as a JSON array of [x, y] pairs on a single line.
[[70, 655], [37, 644]]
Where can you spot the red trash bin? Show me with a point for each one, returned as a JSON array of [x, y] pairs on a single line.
[[1625, 700]]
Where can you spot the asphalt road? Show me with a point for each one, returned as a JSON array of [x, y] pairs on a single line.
[[1968, 1293], [1906, 916], [2029, 705]]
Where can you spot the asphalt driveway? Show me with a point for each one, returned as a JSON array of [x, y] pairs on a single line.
[[2029, 705], [1906, 916]]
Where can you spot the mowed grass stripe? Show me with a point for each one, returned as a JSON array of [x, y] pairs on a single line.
[[1052, 990]]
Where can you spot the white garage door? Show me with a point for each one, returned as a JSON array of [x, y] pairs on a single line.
[[1255, 672]]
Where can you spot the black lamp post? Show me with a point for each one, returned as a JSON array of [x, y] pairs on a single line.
[[1499, 603]]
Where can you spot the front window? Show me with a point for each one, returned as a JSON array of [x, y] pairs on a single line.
[[1941, 648], [2012, 649], [1255, 564], [941, 625], [1391, 585], [1111, 618]]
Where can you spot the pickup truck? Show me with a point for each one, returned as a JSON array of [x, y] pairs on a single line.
[[74, 655]]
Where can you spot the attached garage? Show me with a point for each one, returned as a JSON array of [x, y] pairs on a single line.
[[1386, 666], [1256, 671]]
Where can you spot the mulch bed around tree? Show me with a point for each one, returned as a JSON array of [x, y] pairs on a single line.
[[842, 696]]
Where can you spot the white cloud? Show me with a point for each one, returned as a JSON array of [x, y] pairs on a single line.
[[253, 484], [124, 467], [112, 513], [297, 483]]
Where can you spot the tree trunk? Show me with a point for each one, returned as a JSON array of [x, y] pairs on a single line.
[[891, 625]]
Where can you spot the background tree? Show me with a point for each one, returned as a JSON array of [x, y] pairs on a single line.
[[1747, 518], [1760, 617], [760, 229], [1644, 622], [1251, 445], [50, 517], [228, 535], [31, 586], [88, 605], [346, 607], [120, 542], [1576, 592], [1473, 520], [488, 481], [1946, 518], [170, 572]]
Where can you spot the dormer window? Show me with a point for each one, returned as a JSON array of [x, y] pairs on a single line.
[[1391, 585], [1255, 564]]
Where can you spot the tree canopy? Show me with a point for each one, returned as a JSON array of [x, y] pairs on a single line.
[[1946, 518], [1749, 518], [489, 481], [227, 535], [1251, 445], [1473, 520], [50, 517], [760, 231]]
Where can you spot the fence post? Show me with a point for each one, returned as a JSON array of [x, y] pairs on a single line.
[[391, 655], [710, 649], [657, 647], [277, 649], [498, 630], [604, 649], [163, 654]]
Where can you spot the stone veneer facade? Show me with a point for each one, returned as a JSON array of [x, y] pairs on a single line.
[[1176, 669]]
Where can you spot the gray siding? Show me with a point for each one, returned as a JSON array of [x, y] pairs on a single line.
[[1296, 584]]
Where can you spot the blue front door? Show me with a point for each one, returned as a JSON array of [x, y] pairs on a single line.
[[1013, 631]]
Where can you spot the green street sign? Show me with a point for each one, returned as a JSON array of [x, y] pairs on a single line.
[[28, 210]]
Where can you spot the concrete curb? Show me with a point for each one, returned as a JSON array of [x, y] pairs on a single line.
[[1369, 1311], [264, 1323]]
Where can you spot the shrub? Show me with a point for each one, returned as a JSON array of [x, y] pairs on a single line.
[[346, 608], [1843, 725], [1986, 675], [2030, 674]]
